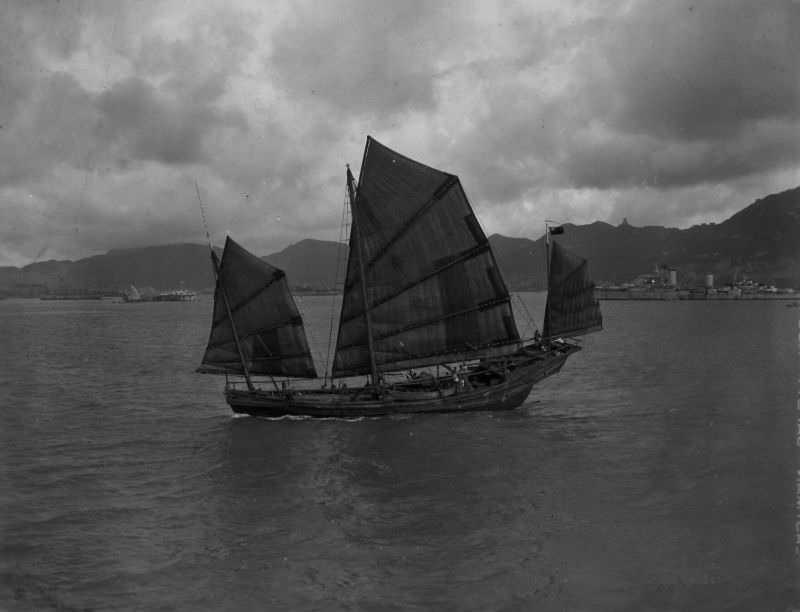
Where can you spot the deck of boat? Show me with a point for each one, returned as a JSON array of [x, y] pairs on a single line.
[[478, 393]]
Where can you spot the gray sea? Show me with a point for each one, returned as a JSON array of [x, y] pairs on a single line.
[[658, 471]]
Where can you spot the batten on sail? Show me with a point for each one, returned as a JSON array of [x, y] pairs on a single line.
[[253, 304], [572, 309], [433, 291]]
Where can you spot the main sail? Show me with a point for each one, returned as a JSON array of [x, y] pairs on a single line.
[[572, 309], [431, 290], [254, 309]]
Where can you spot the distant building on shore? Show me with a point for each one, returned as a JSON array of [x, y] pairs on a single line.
[[662, 284]]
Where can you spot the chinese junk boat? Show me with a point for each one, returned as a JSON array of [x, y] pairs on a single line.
[[425, 314]]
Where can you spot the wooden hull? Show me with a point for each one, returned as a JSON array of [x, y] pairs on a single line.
[[479, 393]]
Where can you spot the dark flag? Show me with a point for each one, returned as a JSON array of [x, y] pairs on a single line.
[[554, 231]]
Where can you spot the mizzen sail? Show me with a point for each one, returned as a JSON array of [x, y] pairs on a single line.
[[431, 290], [572, 309], [254, 309]]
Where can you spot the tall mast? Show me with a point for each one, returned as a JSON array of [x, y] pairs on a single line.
[[549, 231], [220, 282], [351, 192]]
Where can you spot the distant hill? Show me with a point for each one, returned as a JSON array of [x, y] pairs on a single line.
[[761, 242], [311, 264], [163, 267]]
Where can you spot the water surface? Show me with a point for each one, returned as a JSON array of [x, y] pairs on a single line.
[[657, 471]]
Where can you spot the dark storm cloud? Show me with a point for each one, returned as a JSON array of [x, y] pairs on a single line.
[[49, 117], [707, 69], [42, 110], [664, 112], [16, 71], [615, 161], [380, 66], [48, 130], [167, 114], [151, 126], [684, 93]]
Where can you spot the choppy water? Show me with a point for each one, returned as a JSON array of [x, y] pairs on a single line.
[[658, 471]]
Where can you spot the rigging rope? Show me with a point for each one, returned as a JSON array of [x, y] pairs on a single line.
[[529, 320], [203, 214], [338, 280]]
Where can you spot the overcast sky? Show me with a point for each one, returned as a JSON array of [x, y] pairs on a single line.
[[669, 113]]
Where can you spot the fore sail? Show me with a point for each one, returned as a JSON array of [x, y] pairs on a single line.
[[254, 309], [572, 309], [432, 291]]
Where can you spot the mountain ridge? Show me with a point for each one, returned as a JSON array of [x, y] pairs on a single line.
[[761, 241]]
